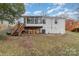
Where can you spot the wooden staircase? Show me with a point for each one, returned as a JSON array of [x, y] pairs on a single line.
[[17, 29]]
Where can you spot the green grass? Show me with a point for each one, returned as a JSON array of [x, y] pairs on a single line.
[[42, 45]]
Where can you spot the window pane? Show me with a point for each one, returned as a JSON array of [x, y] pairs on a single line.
[[36, 20], [30, 21], [56, 22], [44, 21]]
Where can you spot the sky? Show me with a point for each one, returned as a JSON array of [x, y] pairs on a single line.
[[51, 9]]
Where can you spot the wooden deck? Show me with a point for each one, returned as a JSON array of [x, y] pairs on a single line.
[[33, 30]]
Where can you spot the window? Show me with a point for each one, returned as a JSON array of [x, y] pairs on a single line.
[[30, 21], [56, 22], [39, 21], [36, 20], [44, 21]]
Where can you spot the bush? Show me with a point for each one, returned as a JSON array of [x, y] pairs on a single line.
[[8, 33]]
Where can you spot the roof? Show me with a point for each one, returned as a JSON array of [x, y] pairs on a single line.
[[45, 16]]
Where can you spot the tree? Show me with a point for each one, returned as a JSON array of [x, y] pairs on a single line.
[[9, 11]]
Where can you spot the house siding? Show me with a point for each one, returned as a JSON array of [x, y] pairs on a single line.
[[50, 26]]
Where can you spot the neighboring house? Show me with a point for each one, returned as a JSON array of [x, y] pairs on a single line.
[[5, 24], [72, 25], [44, 24], [69, 24]]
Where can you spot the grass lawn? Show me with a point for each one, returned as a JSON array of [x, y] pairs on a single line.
[[53, 45]]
